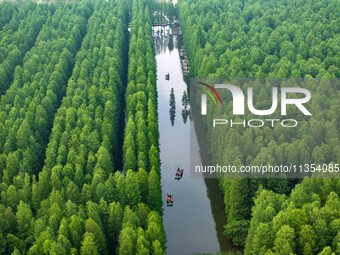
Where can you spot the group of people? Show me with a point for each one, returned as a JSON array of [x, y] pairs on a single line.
[[170, 199], [178, 172]]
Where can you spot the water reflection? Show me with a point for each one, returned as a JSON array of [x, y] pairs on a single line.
[[185, 115], [161, 39], [171, 43], [172, 113], [172, 103]]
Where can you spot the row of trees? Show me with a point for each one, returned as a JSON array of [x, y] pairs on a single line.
[[18, 3], [314, 140], [229, 39], [306, 222], [82, 150], [12, 17], [141, 148], [74, 201], [27, 110], [15, 44], [261, 39], [6, 12]]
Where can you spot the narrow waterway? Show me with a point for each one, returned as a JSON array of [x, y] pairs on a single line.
[[195, 223]]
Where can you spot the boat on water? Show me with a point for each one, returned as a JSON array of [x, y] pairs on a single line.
[[179, 174], [169, 200]]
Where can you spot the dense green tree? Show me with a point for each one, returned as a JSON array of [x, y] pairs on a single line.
[[89, 246], [154, 192], [98, 236], [132, 189], [127, 239], [285, 241], [296, 229], [2, 244], [7, 10], [239, 211], [76, 229], [142, 246], [24, 219], [57, 249], [157, 248]]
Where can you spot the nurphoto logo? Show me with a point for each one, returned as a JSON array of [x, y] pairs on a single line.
[[238, 104]]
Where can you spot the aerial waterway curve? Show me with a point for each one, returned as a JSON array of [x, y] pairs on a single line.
[[194, 224]]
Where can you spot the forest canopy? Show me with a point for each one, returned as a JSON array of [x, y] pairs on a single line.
[[80, 163], [273, 39], [64, 186]]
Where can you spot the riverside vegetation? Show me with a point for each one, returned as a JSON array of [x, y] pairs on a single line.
[[280, 39]]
